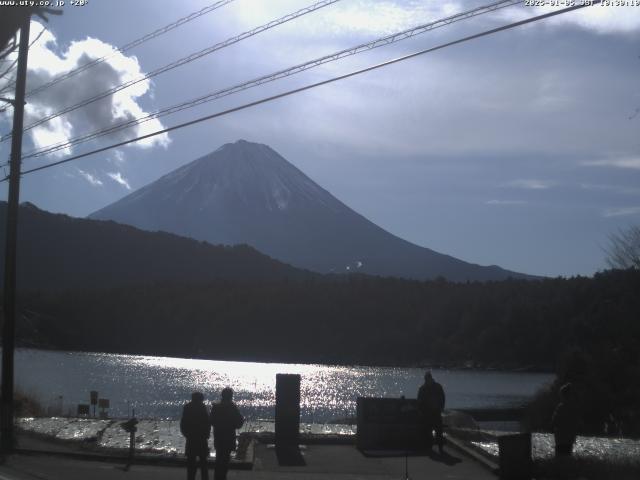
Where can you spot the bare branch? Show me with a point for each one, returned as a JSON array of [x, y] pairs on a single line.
[[623, 251]]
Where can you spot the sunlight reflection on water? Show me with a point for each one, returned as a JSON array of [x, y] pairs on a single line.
[[159, 386]]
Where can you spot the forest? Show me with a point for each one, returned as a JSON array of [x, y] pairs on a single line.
[[348, 319], [584, 328]]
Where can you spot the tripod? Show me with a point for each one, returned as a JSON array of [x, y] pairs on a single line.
[[406, 464], [405, 411]]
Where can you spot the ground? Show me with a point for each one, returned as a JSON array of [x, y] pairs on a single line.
[[339, 462]]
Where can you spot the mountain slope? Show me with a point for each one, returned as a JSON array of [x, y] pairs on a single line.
[[61, 252], [247, 193]]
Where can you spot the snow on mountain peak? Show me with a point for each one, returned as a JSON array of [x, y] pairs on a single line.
[[246, 192]]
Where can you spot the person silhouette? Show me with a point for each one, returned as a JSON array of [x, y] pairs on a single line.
[[431, 400], [565, 422], [195, 427], [225, 419]]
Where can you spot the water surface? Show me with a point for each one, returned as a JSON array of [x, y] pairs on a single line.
[[158, 387]]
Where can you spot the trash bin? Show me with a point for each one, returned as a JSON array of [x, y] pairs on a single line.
[[515, 456]]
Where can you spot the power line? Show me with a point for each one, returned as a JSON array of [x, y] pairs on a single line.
[[7, 87], [132, 44], [35, 40], [11, 46], [15, 62], [387, 40], [183, 61], [313, 85], [9, 69]]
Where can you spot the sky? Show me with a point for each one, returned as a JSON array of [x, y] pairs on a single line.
[[520, 149]]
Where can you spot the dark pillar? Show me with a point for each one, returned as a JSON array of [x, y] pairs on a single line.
[[7, 439], [287, 410], [515, 456]]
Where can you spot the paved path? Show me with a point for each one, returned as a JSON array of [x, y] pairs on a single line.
[[323, 462]]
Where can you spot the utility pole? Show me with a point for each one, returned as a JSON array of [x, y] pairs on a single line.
[[9, 325]]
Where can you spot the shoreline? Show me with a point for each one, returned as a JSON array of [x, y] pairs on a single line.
[[462, 365], [153, 436]]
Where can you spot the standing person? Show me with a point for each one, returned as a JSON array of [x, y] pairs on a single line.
[[194, 425], [565, 422], [225, 418], [431, 404]]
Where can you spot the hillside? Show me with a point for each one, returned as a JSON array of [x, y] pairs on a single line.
[[61, 252]]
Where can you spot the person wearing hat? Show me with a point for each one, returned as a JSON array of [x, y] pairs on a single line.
[[430, 405], [225, 418], [195, 427]]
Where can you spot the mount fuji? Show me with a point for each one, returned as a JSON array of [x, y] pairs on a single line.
[[246, 193]]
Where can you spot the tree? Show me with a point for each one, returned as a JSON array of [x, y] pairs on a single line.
[[623, 251]]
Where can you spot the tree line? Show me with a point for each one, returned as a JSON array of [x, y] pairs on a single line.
[[586, 328], [512, 323]]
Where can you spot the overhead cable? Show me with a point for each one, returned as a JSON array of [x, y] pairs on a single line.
[[181, 62], [132, 44], [387, 40], [15, 62], [9, 48], [313, 85]]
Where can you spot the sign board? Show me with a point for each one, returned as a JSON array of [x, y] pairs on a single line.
[[389, 424], [94, 397], [103, 403], [83, 409]]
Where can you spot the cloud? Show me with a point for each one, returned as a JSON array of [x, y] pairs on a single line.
[[628, 162], [118, 178], [530, 184], [599, 18], [478, 98], [621, 211], [610, 188], [92, 179], [117, 157], [385, 17], [47, 61], [505, 202], [388, 16], [358, 16]]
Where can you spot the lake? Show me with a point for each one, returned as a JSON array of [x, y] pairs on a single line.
[[158, 387]]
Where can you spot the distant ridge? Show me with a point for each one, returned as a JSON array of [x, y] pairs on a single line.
[[57, 252], [246, 192]]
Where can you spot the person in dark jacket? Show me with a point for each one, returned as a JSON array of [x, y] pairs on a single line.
[[225, 418], [430, 405], [195, 427], [565, 422]]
